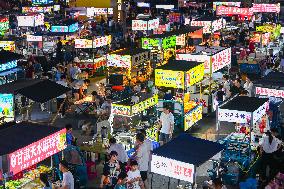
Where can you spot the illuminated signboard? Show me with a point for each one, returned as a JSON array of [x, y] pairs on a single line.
[[192, 117], [278, 93], [172, 168], [169, 78], [122, 61], [26, 21], [59, 28], [73, 27], [229, 4], [83, 43], [174, 17], [150, 43], [4, 25], [8, 45], [39, 20], [56, 7], [141, 106], [222, 10], [152, 133], [195, 75], [92, 11], [180, 40], [209, 26], [8, 65], [142, 4], [145, 25], [32, 38], [40, 2], [37, 151], [94, 64], [266, 7], [221, 59], [37, 9], [168, 7], [7, 106], [102, 41], [169, 42], [120, 110], [199, 58]]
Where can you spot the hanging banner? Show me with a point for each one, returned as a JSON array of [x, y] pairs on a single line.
[[102, 41], [274, 8], [37, 151], [228, 4], [221, 59], [233, 116], [172, 168], [223, 10], [122, 61], [262, 91], [169, 78], [180, 40], [192, 117]]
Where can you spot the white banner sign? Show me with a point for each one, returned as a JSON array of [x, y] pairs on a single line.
[[233, 116], [83, 44], [33, 38], [221, 59], [102, 41], [261, 111], [180, 40], [172, 168], [145, 25], [269, 92], [26, 21]]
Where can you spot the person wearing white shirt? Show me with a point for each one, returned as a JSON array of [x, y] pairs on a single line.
[[167, 125], [269, 145], [68, 179], [248, 86], [143, 156], [226, 86], [122, 155], [133, 176]]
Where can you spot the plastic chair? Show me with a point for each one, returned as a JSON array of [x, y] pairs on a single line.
[[91, 170]]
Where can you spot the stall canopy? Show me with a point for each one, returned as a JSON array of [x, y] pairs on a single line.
[[242, 109], [15, 86], [271, 85], [176, 162], [21, 135], [43, 91]]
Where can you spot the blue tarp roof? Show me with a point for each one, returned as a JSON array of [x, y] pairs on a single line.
[[189, 149]]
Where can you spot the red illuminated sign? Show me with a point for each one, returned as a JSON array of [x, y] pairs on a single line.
[[223, 10], [266, 7], [37, 151]]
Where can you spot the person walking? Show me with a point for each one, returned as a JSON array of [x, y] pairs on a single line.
[[121, 152], [68, 179], [167, 125]]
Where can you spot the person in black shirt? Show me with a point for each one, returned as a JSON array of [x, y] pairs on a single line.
[[220, 94], [236, 88]]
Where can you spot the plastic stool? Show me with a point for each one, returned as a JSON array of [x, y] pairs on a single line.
[[91, 170]]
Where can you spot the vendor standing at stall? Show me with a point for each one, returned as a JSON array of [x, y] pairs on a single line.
[[79, 88], [167, 125]]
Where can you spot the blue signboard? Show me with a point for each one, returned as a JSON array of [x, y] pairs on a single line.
[[41, 2], [7, 107], [59, 28], [74, 27], [8, 65]]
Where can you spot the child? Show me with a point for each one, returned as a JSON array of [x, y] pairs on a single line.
[[134, 180], [121, 181]]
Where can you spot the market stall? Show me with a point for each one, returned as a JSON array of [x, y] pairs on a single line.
[[271, 86], [181, 75], [22, 159], [170, 160], [250, 116], [130, 62], [215, 59]]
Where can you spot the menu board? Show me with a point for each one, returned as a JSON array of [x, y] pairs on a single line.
[[169, 78], [83, 43], [7, 107], [123, 61]]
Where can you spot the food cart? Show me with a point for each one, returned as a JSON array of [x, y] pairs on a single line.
[[250, 116], [32, 144], [129, 62], [172, 160], [180, 75], [215, 59]]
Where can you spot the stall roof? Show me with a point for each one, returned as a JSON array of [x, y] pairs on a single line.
[[195, 151], [43, 91], [208, 50], [7, 56], [272, 80], [184, 30], [130, 52], [180, 65], [15, 86], [244, 103], [23, 134]]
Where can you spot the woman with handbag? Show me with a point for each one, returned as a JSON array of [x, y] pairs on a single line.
[[110, 172]]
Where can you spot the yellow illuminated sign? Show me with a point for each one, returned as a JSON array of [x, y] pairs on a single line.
[[169, 78], [152, 133], [8, 45], [192, 117], [145, 104], [118, 109], [265, 28], [195, 74]]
